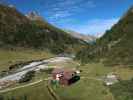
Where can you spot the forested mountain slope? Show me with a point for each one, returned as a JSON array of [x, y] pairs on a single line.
[[17, 30], [116, 45]]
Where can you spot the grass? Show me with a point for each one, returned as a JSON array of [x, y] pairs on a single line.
[[92, 88], [68, 64], [8, 57], [84, 89], [95, 70], [125, 73], [99, 70], [123, 90], [35, 92], [38, 91]]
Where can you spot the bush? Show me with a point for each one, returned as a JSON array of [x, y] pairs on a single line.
[[123, 90], [27, 77]]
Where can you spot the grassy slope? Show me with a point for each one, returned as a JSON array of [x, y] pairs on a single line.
[[92, 88], [120, 37], [115, 46], [35, 92], [87, 88], [8, 57], [18, 31], [123, 90]]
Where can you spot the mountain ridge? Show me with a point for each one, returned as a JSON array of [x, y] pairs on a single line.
[[86, 38], [33, 15], [115, 46], [19, 31]]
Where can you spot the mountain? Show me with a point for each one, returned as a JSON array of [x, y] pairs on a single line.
[[34, 16], [115, 47], [86, 38], [31, 31]]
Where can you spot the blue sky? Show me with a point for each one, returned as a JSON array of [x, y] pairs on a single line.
[[84, 16]]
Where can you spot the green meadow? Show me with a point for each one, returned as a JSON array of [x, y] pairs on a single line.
[[88, 87]]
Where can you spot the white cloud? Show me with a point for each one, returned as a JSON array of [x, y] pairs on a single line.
[[67, 8], [96, 27], [60, 14], [89, 4]]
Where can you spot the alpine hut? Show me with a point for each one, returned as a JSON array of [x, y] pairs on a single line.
[[65, 76]]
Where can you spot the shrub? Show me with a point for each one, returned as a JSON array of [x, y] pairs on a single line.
[[27, 77]]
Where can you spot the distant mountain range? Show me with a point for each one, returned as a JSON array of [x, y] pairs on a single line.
[[34, 16], [115, 47], [32, 31], [86, 38]]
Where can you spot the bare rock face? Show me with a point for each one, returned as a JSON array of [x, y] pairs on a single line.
[[34, 16]]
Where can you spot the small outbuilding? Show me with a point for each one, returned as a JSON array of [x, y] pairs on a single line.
[[65, 76]]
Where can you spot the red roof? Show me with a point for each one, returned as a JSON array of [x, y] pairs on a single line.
[[57, 71], [67, 73]]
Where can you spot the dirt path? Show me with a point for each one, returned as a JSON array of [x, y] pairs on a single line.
[[30, 84], [91, 78], [52, 93]]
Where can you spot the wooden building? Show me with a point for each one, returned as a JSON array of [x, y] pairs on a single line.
[[65, 76]]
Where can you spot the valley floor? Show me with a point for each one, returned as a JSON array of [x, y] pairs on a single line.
[[10, 57], [89, 87]]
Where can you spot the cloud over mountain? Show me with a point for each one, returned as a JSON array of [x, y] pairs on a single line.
[[67, 8]]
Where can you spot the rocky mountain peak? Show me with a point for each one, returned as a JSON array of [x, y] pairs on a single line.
[[34, 16]]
